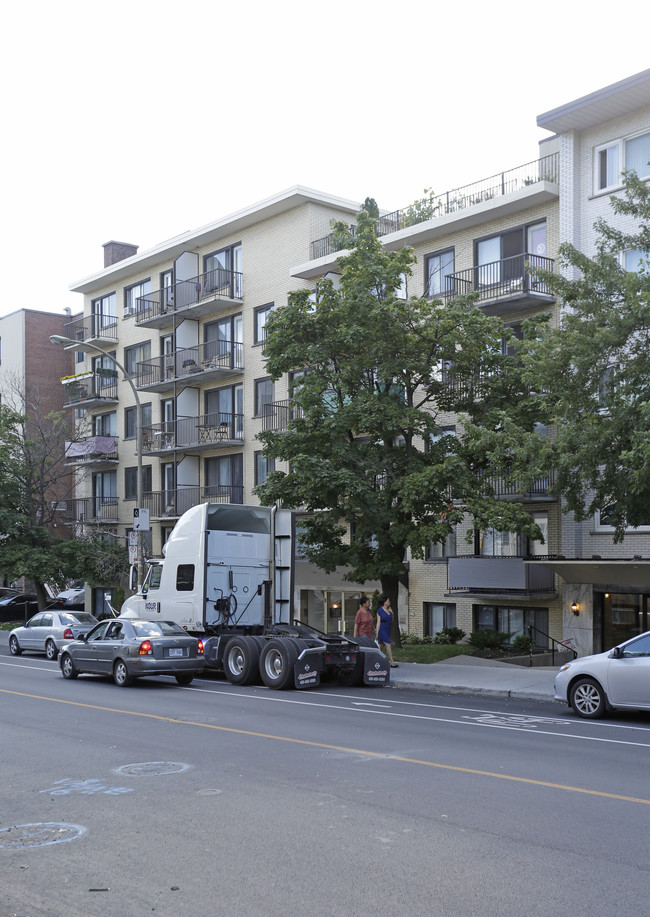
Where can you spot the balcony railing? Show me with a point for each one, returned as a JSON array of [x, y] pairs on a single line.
[[498, 575], [213, 357], [92, 387], [509, 278], [91, 450], [212, 285], [277, 414], [91, 509], [505, 489], [190, 432], [92, 328], [539, 170], [169, 504]]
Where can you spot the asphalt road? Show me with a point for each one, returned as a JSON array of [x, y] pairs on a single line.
[[215, 800]]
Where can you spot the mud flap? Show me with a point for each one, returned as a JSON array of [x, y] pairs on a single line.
[[376, 668], [305, 674]]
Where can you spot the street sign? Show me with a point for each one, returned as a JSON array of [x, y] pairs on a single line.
[[133, 554], [133, 539], [141, 520]]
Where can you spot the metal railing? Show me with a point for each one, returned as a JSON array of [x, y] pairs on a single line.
[[92, 327], [501, 279], [186, 432], [504, 487], [277, 414], [169, 504], [545, 169], [219, 283], [202, 358], [99, 385], [91, 509], [551, 645]]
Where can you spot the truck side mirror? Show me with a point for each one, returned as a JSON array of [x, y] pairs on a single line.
[[133, 578]]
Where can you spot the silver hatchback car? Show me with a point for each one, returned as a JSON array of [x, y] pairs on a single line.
[[47, 631], [619, 677], [127, 649]]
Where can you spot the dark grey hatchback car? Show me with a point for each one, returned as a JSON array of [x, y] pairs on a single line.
[[127, 649]]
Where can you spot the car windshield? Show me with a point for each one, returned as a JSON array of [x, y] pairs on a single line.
[[81, 618], [157, 629]]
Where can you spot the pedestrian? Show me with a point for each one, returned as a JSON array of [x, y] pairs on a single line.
[[364, 620], [384, 624]]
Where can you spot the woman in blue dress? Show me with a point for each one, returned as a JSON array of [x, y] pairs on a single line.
[[384, 624]]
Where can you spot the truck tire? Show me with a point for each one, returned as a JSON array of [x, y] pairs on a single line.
[[241, 661], [276, 664]]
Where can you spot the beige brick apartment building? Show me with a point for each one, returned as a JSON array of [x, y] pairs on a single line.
[[187, 320]]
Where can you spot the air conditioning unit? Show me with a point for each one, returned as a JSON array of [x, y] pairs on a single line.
[[58, 507]]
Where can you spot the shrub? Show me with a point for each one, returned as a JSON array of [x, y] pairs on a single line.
[[449, 635], [522, 644], [414, 640], [488, 639]]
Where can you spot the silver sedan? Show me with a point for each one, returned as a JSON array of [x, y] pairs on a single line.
[[619, 677], [130, 648], [47, 631]]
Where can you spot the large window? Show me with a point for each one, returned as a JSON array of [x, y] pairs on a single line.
[[226, 405], [637, 155], [224, 477], [222, 271], [438, 550], [105, 424], [512, 621], [438, 615], [492, 543], [133, 293], [612, 157], [104, 313], [263, 467], [264, 394], [131, 482], [223, 340], [130, 420], [607, 169], [502, 258], [261, 315], [134, 355], [438, 268]]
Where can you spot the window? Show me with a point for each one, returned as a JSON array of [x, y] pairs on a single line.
[[538, 548], [512, 621], [105, 424], [264, 394], [133, 293], [637, 155], [438, 550], [438, 268], [105, 494], [499, 544], [261, 315], [106, 372], [224, 342], [185, 578], [130, 416], [131, 482], [224, 477], [437, 616], [222, 271], [604, 520], [635, 260], [226, 405], [167, 288], [502, 258], [263, 467], [137, 354], [104, 313], [606, 167]]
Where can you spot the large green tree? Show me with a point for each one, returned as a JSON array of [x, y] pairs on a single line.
[[592, 370], [33, 478], [379, 377]]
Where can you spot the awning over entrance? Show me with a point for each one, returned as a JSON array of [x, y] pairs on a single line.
[[600, 572]]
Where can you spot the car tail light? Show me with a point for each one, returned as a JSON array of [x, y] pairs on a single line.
[[146, 648], [67, 634], [199, 648]]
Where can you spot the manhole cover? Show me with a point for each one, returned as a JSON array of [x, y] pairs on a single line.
[[39, 835], [152, 769]]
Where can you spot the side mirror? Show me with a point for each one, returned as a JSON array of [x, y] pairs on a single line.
[[82, 637], [617, 652]]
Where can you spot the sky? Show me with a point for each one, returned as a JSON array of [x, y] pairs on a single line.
[[136, 120]]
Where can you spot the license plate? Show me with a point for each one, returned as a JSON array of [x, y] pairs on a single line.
[[176, 652]]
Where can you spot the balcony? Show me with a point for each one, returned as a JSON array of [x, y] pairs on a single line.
[[455, 201], [277, 414], [93, 329], [93, 450], [202, 363], [512, 491], [170, 504], [203, 295], [89, 390], [504, 286], [207, 431], [499, 577], [86, 510]]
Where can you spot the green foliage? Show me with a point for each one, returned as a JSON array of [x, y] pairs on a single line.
[[449, 635], [422, 209], [488, 639], [522, 645], [414, 640]]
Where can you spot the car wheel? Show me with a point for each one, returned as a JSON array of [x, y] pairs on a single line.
[[588, 698], [184, 679], [68, 668], [51, 651], [241, 661], [121, 675], [14, 646], [276, 664]]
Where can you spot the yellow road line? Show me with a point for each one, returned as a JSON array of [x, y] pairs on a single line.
[[342, 748]]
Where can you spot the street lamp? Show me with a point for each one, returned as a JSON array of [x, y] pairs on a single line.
[[85, 346]]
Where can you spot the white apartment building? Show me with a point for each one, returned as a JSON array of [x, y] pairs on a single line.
[[187, 321]]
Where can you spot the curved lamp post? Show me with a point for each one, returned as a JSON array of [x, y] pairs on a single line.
[[84, 347]]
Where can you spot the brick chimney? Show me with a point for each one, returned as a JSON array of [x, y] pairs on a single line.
[[118, 251]]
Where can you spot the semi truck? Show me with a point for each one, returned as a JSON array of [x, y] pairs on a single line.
[[227, 576]]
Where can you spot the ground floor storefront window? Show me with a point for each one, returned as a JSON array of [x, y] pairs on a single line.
[[624, 615]]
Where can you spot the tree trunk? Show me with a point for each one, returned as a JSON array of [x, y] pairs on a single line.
[[390, 586]]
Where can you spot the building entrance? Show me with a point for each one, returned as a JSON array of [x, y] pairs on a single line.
[[624, 616]]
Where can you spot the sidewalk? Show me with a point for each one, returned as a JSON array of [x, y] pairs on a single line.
[[464, 675]]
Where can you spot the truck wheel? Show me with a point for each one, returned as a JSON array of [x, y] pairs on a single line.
[[241, 661], [276, 664]]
